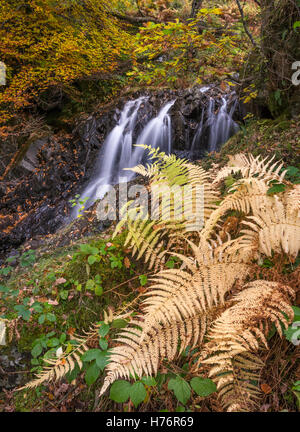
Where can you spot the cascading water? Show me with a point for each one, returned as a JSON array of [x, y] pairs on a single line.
[[198, 134], [118, 152], [114, 156], [216, 129], [157, 133]]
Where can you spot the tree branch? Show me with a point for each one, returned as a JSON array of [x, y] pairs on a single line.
[[196, 5], [244, 23]]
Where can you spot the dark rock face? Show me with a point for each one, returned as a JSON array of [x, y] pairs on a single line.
[[11, 361], [35, 201]]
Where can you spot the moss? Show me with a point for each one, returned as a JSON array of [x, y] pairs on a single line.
[[27, 401], [27, 335]]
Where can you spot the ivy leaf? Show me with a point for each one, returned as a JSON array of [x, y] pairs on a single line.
[[6, 270], [51, 317], [4, 289], [291, 171], [90, 355], [137, 393], [149, 381], [85, 248], [119, 323], [37, 307], [181, 389], [94, 250], [120, 391], [90, 284], [203, 386], [36, 350], [92, 374], [102, 359], [103, 344], [292, 333], [53, 342], [296, 25], [92, 259], [98, 290], [103, 330], [23, 312], [72, 375], [41, 319], [143, 280], [64, 294], [276, 188], [296, 310], [296, 386]]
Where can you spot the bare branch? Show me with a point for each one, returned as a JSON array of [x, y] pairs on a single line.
[[244, 24], [134, 19]]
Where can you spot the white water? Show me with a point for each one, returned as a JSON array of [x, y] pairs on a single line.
[[198, 134], [157, 133], [118, 152], [221, 125]]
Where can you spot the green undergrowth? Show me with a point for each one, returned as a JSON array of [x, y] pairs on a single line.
[[67, 288], [54, 292]]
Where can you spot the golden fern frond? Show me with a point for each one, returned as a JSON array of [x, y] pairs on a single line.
[[164, 168], [8, 330], [204, 283], [248, 195], [146, 238], [240, 331], [60, 366], [135, 358], [200, 182], [181, 199], [277, 230], [249, 166], [292, 201], [168, 170], [145, 170]]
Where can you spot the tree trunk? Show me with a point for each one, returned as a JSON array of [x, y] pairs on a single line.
[[280, 47], [195, 7]]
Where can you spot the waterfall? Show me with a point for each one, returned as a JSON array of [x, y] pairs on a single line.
[[118, 153], [217, 128], [221, 125], [114, 155], [157, 133], [198, 134]]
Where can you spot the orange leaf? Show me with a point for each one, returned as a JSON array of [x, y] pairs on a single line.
[[127, 262], [266, 388]]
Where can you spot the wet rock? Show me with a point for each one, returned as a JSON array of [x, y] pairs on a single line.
[[11, 362], [57, 167]]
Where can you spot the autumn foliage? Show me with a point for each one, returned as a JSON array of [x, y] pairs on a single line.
[[184, 53]]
